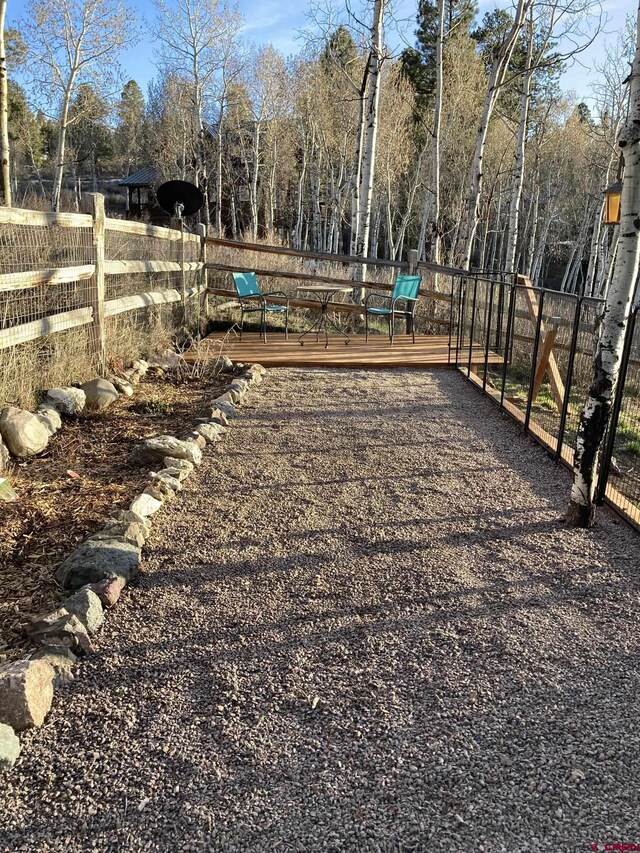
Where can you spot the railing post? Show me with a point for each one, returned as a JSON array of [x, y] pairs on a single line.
[[487, 337], [451, 310], [607, 451], [569, 378], [93, 203], [412, 258], [536, 345], [507, 343], [473, 323]]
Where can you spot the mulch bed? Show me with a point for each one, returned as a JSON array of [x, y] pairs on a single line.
[[68, 492]]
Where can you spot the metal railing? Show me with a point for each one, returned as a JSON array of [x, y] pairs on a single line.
[[531, 351]]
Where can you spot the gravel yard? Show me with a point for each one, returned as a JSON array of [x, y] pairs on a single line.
[[363, 627]]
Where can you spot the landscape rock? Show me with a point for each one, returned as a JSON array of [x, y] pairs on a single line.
[[99, 393], [140, 366], [170, 477], [122, 386], [131, 531], [199, 439], [182, 466], [160, 491], [26, 693], [4, 456], [86, 605], [61, 630], [125, 515], [22, 432], [228, 398], [211, 432], [50, 417], [154, 449], [227, 409], [145, 505], [225, 365], [67, 401], [97, 559], [256, 368], [234, 396], [61, 659], [217, 416], [166, 360], [9, 747], [109, 590]]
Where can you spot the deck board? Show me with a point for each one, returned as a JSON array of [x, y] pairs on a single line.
[[428, 351]]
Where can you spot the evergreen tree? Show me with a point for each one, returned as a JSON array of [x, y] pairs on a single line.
[[419, 62]]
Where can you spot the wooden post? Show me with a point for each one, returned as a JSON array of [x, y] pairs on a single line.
[[204, 299], [412, 258], [178, 224], [543, 361], [555, 378], [94, 205]]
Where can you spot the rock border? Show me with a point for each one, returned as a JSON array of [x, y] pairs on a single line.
[[98, 570]]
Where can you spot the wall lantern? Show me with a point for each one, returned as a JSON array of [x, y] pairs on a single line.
[[612, 196]]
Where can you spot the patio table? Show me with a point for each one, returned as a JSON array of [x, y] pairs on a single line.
[[324, 294]]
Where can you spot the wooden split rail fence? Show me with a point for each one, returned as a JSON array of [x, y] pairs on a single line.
[[97, 308]]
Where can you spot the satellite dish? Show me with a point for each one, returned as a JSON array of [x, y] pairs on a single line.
[[179, 198]]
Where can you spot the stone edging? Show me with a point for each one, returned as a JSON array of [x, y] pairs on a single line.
[[99, 569]]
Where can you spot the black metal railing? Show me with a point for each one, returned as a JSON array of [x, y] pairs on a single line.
[[531, 350]]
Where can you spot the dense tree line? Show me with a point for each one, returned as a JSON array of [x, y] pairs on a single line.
[[464, 145]]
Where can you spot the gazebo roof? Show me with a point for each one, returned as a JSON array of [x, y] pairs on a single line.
[[145, 177]]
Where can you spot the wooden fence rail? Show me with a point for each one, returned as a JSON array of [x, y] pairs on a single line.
[[98, 308]]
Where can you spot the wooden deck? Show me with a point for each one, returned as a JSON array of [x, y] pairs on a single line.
[[428, 351]]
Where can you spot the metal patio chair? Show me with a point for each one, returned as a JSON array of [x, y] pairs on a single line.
[[405, 291], [248, 291]]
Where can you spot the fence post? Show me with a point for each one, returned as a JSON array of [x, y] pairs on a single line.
[[607, 450], [412, 258], [93, 204], [178, 225], [203, 299]]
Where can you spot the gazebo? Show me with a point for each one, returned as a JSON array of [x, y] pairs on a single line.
[[140, 191]]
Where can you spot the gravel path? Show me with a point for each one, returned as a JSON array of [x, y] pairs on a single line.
[[365, 628]]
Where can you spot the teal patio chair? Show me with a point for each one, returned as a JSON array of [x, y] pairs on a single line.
[[249, 292], [405, 291]]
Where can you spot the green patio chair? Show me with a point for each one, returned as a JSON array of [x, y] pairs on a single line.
[[405, 291], [249, 292]]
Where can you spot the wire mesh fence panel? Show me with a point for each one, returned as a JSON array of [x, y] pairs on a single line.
[[519, 362], [583, 366], [499, 337], [51, 296], [552, 362], [624, 475]]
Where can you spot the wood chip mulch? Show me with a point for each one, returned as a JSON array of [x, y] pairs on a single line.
[[68, 492]]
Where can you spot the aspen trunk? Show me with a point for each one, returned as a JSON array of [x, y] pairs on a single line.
[[518, 176], [437, 117], [370, 138], [496, 79], [597, 409], [5, 152]]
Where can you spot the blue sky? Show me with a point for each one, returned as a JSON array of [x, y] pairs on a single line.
[[278, 22]]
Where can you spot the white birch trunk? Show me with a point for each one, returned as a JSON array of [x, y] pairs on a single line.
[[518, 176], [5, 152], [370, 139], [496, 79], [254, 181], [597, 409]]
